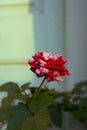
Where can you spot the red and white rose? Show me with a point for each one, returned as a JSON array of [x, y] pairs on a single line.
[[49, 65]]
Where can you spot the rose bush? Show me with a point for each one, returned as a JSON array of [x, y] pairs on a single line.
[[35, 110]]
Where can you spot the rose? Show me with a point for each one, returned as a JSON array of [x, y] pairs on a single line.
[[49, 65]]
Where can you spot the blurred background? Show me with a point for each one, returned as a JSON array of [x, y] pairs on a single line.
[[28, 26]]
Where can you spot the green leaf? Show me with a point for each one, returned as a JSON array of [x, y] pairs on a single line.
[[81, 115], [6, 102], [5, 109], [5, 113], [11, 88], [13, 91], [39, 121], [39, 102], [20, 96], [82, 83], [19, 115], [83, 102], [78, 89], [56, 115], [67, 105], [25, 86], [80, 111]]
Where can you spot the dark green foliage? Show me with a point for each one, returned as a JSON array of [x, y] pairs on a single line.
[[19, 115], [11, 88], [36, 110], [80, 101], [25, 86], [39, 102], [29, 112], [56, 114], [80, 88], [39, 121], [5, 112]]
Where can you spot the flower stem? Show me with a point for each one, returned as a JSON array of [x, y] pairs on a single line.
[[37, 91], [41, 83]]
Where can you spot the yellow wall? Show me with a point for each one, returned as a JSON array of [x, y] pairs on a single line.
[[16, 41]]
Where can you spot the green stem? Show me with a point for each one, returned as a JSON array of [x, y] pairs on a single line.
[[41, 83], [39, 88]]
